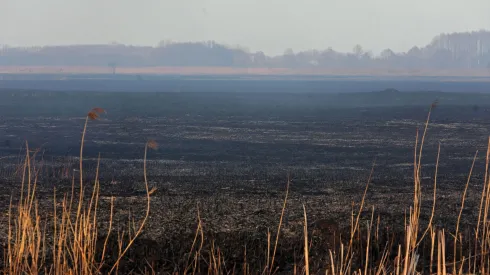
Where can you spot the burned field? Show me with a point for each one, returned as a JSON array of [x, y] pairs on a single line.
[[229, 155]]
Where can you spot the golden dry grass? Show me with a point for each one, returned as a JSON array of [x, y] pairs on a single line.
[[75, 226]]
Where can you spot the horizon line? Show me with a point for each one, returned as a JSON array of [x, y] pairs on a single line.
[[226, 45]]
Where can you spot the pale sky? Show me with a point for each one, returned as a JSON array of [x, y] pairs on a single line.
[[267, 25]]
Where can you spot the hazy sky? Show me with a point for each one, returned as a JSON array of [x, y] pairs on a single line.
[[268, 25]]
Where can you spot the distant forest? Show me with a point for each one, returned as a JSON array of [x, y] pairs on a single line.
[[470, 50]]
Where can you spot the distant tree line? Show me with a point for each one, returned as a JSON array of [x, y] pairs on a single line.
[[446, 51]]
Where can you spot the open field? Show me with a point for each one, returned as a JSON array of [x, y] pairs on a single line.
[[229, 155], [244, 71]]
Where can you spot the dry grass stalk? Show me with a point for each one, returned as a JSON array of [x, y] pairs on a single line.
[[306, 254], [75, 234], [279, 227], [461, 212], [147, 214]]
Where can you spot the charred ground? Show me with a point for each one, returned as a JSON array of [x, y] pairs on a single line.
[[230, 154]]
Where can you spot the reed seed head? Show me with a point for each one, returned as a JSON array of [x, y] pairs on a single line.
[[152, 144], [95, 113], [434, 104]]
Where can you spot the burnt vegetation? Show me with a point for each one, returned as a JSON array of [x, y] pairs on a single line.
[[244, 183]]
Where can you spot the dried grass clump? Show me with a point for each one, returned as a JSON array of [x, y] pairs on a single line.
[[72, 246]]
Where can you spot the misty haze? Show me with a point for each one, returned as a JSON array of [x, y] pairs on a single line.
[[245, 137], [456, 53]]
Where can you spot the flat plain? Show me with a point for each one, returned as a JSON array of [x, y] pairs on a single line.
[[229, 155]]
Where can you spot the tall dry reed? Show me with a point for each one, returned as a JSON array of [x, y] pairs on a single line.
[[70, 245]]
